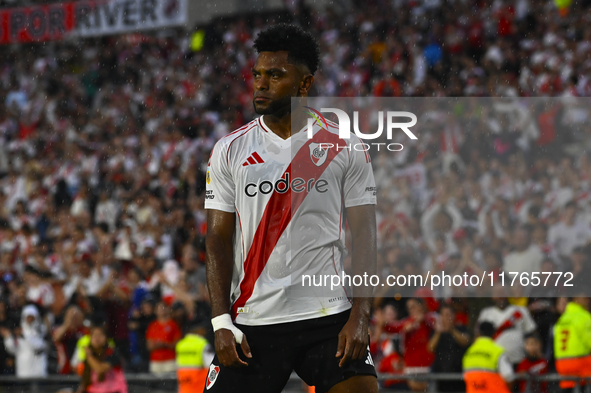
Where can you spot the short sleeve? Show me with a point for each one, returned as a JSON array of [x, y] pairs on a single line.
[[220, 191], [484, 316], [528, 323], [505, 369], [359, 186]]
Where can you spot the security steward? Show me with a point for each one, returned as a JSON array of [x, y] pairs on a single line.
[[486, 368], [193, 356], [572, 341]]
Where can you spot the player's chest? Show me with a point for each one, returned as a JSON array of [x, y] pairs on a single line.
[[271, 169]]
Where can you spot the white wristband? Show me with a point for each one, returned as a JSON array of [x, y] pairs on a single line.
[[224, 321]]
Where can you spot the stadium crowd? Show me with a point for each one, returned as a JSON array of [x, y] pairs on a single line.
[[104, 145]]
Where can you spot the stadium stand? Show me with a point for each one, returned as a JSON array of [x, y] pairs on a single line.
[[104, 145]]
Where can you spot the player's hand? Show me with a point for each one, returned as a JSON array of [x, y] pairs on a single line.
[[225, 348], [353, 341]]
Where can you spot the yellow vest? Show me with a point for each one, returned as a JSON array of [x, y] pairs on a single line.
[[572, 333], [197, 40], [562, 3], [483, 355], [189, 351], [84, 342]]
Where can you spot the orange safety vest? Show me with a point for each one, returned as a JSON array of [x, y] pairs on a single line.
[[580, 367], [480, 364], [484, 382], [191, 380], [191, 372]]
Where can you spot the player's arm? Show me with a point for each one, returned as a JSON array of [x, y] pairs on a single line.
[[220, 202], [219, 265], [353, 338], [219, 255]]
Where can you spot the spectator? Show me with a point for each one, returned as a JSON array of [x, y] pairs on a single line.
[[162, 336], [441, 217], [448, 343], [194, 271], [78, 359], [86, 283], [541, 304], [138, 324], [102, 366], [179, 316], [570, 232], [38, 291], [511, 323], [66, 336], [580, 265], [27, 344], [106, 211], [417, 329], [6, 359], [114, 297], [533, 364], [384, 347], [526, 257]]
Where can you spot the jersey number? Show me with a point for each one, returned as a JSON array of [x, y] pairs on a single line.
[[564, 338]]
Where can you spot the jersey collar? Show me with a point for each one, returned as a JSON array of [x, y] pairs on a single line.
[[272, 135]]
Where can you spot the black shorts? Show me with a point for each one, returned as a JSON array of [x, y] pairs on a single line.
[[307, 347]]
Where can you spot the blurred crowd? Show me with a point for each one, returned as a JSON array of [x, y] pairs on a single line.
[[104, 145]]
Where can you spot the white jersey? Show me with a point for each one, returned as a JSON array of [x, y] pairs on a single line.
[[289, 197], [512, 324]]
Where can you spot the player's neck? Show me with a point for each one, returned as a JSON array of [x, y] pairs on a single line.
[[280, 125]]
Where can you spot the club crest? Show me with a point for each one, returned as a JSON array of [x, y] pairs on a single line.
[[212, 376], [318, 153]]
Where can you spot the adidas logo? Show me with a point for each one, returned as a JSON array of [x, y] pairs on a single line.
[[369, 360], [253, 160]]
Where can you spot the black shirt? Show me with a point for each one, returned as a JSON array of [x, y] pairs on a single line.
[[448, 353]]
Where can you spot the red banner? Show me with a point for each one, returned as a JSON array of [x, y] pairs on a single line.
[[41, 23]]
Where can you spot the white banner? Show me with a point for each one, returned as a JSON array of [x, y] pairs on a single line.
[[122, 16]]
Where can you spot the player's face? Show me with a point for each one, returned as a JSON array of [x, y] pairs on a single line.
[[275, 82]]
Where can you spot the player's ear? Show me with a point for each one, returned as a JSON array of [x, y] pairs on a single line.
[[306, 84]]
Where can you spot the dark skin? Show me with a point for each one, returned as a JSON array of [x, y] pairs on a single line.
[[276, 80]]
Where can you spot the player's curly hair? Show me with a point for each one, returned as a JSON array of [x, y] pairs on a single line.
[[303, 48]]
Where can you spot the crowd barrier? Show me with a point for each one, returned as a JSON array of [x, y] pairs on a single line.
[[167, 383]]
